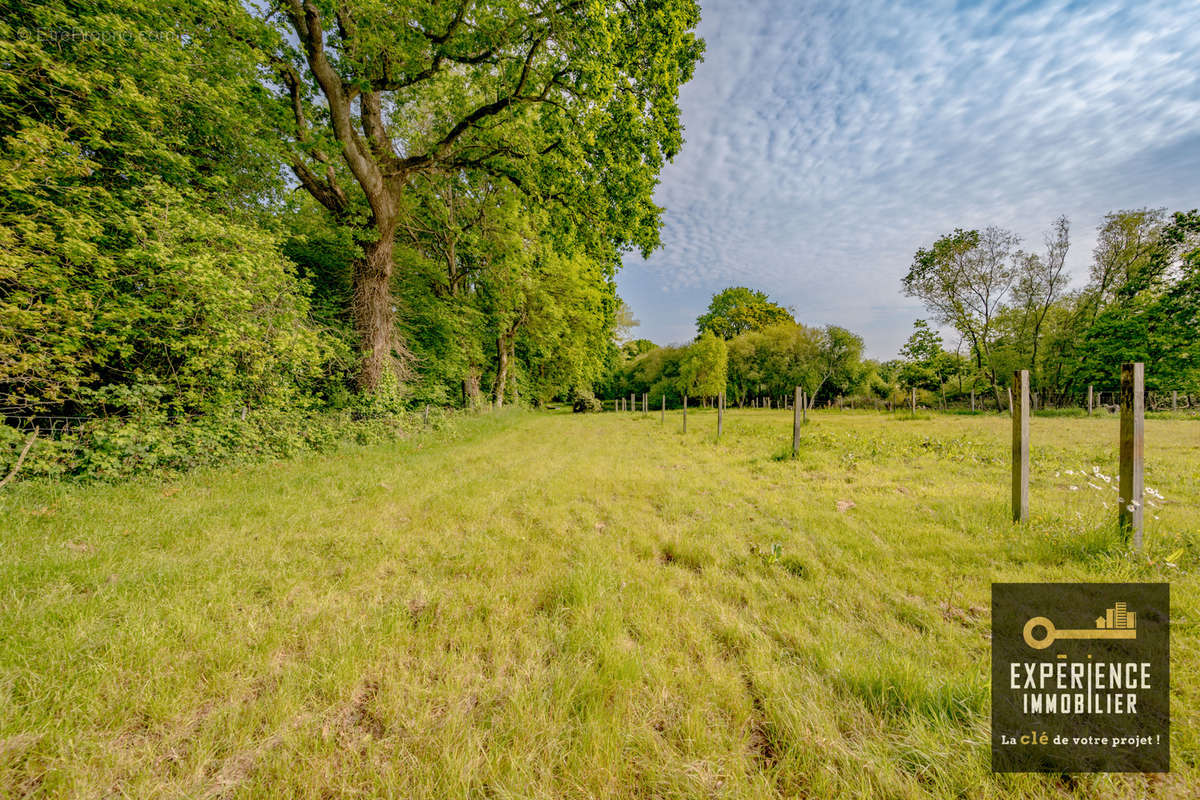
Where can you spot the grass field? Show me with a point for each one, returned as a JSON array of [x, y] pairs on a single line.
[[554, 605]]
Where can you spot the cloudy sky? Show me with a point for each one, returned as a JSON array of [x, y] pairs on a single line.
[[827, 140]]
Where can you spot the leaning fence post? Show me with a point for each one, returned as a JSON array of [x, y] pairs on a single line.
[[799, 402], [685, 413], [1020, 447], [720, 414], [1133, 432]]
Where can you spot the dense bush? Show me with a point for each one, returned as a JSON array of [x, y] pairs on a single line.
[[584, 402], [169, 306], [112, 449]]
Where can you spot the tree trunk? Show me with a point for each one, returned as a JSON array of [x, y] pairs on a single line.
[[374, 319], [501, 371], [471, 388]]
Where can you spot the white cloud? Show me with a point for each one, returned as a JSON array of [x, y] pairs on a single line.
[[826, 142]]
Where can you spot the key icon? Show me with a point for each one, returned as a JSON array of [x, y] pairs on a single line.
[[1117, 623]]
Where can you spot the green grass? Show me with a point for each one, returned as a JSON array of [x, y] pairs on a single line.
[[557, 605]]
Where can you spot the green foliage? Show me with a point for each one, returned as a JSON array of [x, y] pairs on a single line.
[[1014, 312], [120, 448], [775, 360], [167, 304], [636, 347], [695, 370], [702, 370], [137, 270], [1155, 316], [153, 267], [739, 310], [558, 116], [778, 358], [585, 402], [926, 364]]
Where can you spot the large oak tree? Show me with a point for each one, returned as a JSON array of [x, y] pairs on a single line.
[[572, 102]]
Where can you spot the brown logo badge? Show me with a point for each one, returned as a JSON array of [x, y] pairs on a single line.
[[1080, 677]]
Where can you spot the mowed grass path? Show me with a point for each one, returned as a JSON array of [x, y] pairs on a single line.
[[556, 605]]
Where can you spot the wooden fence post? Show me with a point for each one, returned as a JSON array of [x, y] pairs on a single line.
[[720, 414], [1020, 447], [972, 401], [1091, 395], [1010, 405], [796, 421], [645, 404], [1133, 432], [1174, 400], [804, 407], [685, 413], [425, 417], [914, 401], [663, 419]]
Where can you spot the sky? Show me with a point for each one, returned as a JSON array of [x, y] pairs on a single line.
[[827, 140]]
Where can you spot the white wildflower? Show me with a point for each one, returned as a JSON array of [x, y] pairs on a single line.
[[1074, 488]]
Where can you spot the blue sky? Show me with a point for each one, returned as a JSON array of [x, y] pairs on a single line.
[[827, 141]]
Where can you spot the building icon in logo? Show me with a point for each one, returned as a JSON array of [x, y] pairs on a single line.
[[1117, 623]]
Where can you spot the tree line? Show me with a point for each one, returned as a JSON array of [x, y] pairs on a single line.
[[1015, 309], [749, 348], [1011, 309], [215, 207]]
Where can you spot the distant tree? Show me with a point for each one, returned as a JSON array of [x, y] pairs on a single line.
[[738, 310], [922, 353], [963, 278], [626, 321], [635, 347], [924, 345], [702, 371], [774, 360], [839, 362], [1155, 317], [1125, 242], [1039, 283]]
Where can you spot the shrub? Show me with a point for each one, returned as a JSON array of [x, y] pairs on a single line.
[[119, 448], [585, 402]]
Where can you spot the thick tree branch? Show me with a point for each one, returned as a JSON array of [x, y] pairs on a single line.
[[306, 21]]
